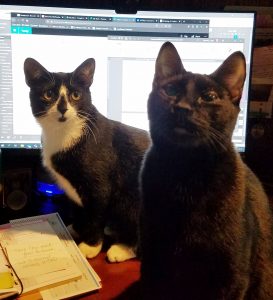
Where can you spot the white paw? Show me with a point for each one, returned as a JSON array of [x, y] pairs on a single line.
[[120, 252], [72, 231], [90, 251]]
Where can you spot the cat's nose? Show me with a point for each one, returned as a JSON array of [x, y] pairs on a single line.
[[184, 105], [62, 106], [62, 110]]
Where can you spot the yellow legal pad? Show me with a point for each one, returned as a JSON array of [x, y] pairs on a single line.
[[6, 280]]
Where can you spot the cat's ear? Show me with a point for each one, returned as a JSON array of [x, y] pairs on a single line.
[[35, 73], [168, 62], [83, 75], [231, 74]]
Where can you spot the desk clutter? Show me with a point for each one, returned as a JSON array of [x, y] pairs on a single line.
[[38, 255]]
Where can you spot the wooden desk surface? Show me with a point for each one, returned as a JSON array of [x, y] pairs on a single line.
[[115, 277]]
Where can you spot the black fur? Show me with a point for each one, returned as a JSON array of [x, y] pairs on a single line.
[[205, 222], [102, 165]]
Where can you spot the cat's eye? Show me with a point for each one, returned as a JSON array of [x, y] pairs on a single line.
[[171, 90], [48, 95], [76, 95], [210, 97]]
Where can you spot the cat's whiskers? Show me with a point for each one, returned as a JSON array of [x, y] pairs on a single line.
[[87, 116], [87, 127], [217, 138], [87, 130], [214, 138], [89, 120], [213, 142]]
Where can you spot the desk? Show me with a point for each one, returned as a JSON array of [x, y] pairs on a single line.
[[115, 277]]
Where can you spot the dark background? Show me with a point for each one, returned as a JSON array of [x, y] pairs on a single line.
[[148, 4]]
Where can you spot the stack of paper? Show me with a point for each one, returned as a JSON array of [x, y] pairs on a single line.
[[44, 257]]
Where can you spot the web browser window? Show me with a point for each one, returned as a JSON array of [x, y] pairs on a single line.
[[125, 48]]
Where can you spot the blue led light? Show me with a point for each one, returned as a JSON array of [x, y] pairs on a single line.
[[49, 189]]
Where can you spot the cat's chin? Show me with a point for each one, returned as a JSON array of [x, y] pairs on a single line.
[[184, 138], [181, 131], [62, 119], [183, 135]]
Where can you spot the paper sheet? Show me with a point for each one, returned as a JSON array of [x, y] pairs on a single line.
[[89, 281], [37, 255]]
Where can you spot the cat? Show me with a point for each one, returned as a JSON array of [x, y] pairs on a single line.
[[205, 220], [94, 159]]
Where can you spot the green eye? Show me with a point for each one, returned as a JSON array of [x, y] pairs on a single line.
[[210, 96], [76, 95], [48, 95], [171, 90]]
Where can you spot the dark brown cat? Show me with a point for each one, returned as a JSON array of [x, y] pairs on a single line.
[[206, 224]]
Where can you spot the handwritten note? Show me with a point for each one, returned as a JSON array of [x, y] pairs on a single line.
[[89, 281], [38, 259], [38, 256]]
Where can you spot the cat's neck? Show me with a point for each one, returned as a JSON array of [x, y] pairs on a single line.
[[200, 160], [197, 172], [60, 136]]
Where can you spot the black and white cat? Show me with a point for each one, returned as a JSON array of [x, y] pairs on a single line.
[[206, 223], [94, 159]]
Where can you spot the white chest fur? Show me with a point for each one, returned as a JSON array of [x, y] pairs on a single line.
[[64, 184], [50, 145], [59, 136]]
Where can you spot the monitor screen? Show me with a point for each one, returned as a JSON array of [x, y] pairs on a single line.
[[124, 46]]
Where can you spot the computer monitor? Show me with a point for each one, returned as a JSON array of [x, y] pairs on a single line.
[[124, 46]]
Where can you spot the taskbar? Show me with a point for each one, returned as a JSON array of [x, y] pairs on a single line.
[[20, 145]]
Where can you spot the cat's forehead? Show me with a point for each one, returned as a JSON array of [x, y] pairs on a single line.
[[205, 81], [190, 80], [61, 78]]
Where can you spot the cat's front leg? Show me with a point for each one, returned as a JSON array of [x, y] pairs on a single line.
[[89, 226]]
